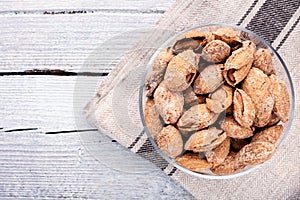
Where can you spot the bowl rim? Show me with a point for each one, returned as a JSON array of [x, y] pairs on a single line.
[[141, 98]]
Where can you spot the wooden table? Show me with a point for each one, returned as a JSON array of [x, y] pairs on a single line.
[[43, 47]]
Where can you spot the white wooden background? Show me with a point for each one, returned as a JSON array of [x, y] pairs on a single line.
[[41, 42]]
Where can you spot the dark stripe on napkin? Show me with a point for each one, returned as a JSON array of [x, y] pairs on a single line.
[[247, 12], [148, 151], [172, 171], [136, 139], [288, 34], [272, 17]]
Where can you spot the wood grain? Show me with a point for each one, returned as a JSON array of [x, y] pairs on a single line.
[[66, 41], [45, 102], [35, 165], [139, 5]]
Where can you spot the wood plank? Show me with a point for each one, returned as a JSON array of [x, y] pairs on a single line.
[[36, 165], [45, 102], [25, 5], [66, 41]]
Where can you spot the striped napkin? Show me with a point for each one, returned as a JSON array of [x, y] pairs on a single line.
[[114, 109]]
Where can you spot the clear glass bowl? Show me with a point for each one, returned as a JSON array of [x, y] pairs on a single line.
[[282, 73]]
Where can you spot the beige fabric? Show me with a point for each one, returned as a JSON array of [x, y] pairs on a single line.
[[277, 179]]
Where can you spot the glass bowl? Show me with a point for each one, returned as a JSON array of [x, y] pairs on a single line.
[[281, 71]]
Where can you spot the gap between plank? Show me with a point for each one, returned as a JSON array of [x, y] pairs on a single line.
[[54, 72], [20, 129], [71, 131], [49, 132], [85, 11]]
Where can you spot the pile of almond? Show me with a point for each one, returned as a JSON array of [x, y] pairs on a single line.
[[214, 102]]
